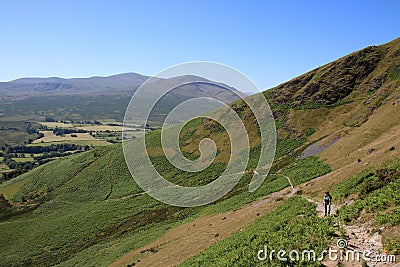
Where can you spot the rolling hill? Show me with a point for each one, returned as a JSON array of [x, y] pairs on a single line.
[[95, 98], [56, 86], [86, 209]]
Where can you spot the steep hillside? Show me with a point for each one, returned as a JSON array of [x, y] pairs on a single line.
[[86, 209], [364, 78]]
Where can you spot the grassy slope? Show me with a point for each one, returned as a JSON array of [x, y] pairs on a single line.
[[82, 209], [376, 196], [74, 214], [293, 225], [82, 218], [13, 132]]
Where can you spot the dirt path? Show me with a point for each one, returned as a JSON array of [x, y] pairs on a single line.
[[290, 182], [360, 238], [360, 241], [188, 239]]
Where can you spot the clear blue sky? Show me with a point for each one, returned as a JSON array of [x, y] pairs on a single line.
[[270, 41]]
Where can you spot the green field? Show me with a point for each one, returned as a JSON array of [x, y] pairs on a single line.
[[23, 159]]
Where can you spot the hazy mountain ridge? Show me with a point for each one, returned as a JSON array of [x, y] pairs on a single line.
[[125, 83], [101, 97], [55, 85]]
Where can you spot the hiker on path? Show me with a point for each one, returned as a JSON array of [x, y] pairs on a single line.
[[327, 203]]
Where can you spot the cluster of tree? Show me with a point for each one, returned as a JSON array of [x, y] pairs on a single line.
[[30, 140], [15, 155], [62, 131], [42, 149], [48, 119], [106, 131], [34, 129], [12, 164], [114, 141], [18, 167], [31, 129], [8, 129], [54, 154], [95, 122]]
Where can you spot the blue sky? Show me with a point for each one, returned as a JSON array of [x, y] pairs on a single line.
[[269, 41]]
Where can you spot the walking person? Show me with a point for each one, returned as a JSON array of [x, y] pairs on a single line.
[[327, 203]]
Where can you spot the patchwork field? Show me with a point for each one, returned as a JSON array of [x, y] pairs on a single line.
[[95, 132], [94, 143], [49, 137], [57, 124]]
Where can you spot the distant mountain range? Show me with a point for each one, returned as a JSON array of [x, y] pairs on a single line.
[[56, 86], [116, 84], [102, 97]]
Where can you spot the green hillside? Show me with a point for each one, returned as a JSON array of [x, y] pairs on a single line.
[[377, 192], [86, 210]]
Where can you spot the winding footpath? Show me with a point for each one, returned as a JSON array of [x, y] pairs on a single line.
[[360, 238], [190, 238]]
